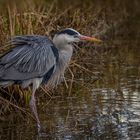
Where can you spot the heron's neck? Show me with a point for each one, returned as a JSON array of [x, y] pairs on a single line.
[[65, 51], [65, 54], [63, 61]]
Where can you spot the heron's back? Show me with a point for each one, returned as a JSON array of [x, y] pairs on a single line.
[[32, 57]]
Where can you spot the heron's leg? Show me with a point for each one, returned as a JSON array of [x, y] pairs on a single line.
[[33, 107]]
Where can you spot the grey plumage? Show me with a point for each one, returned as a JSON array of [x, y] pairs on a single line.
[[31, 58]]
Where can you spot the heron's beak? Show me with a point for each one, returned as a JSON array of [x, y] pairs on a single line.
[[87, 38]]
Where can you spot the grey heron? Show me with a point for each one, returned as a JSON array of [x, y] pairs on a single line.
[[36, 60]]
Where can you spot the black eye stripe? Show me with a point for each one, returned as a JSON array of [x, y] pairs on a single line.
[[68, 31]]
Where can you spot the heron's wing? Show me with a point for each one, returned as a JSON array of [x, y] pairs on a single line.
[[32, 56]]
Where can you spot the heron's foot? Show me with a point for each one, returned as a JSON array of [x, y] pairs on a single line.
[[43, 135], [41, 132], [38, 127]]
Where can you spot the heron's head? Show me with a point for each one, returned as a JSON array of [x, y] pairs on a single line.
[[68, 36]]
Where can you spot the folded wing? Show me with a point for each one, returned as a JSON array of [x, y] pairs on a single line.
[[32, 57]]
